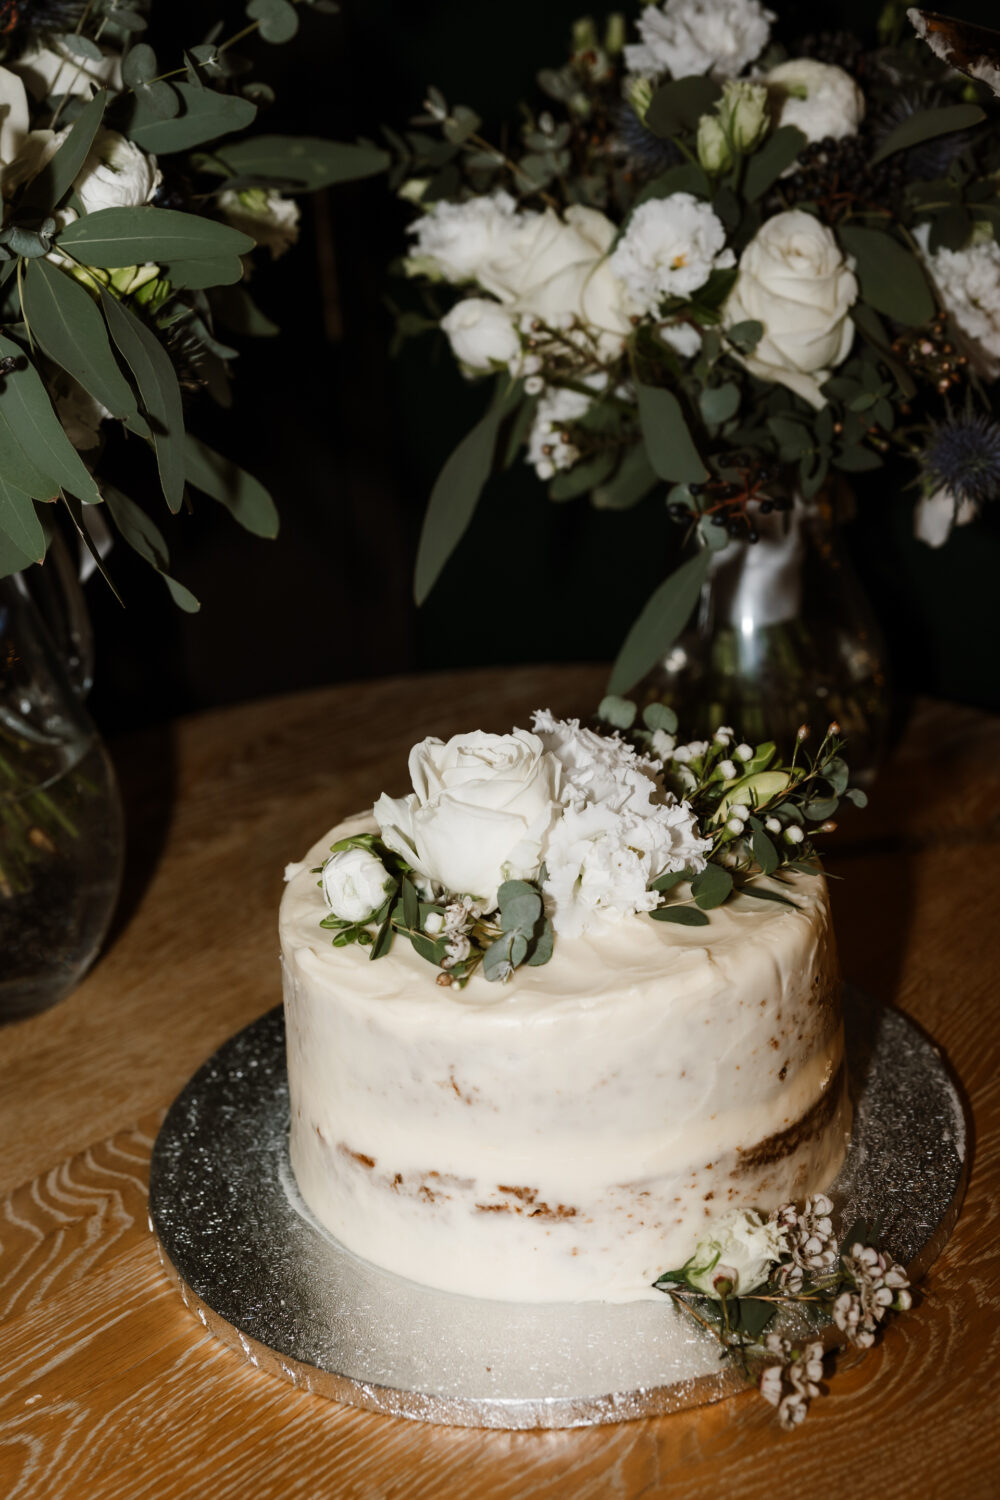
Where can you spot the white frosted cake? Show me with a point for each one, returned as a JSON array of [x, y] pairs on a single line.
[[567, 1134]]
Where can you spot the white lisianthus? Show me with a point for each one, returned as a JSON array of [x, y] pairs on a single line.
[[794, 279], [116, 174], [355, 884], [714, 151], [480, 812], [969, 283], [936, 515], [482, 335], [740, 1250], [819, 99], [267, 217], [670, 248], [51, 71], [80, 413], [546, 450], [743, 110], [457, 241], [683, 37]]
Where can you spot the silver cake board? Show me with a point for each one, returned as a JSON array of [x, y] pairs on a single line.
[[266, 1279]]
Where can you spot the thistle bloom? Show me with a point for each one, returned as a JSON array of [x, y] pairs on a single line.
[[963, 457]]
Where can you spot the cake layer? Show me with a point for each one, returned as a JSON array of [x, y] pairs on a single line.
[[566, 1135]]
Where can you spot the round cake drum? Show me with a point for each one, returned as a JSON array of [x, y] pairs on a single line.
[[267, 1280]]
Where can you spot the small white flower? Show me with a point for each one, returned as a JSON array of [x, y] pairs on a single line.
[[694, 750], [936, 516], [267, 217], [723, 735], [726, 769], [743, 112], [433, 923], [482, 335], [545, 450], [534, 386], [684, 37], [355, 884], [116, 174], [817, 98], [793, 834], [663, 744], [735, 825], [743, 751], [670, 248], [456, 952], [772, 825]]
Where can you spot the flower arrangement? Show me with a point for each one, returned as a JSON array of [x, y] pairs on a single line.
[[508, 842], [709, 266], [135, 197], [746, 1272]]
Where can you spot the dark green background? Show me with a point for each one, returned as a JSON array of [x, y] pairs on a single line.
[[350, 441]]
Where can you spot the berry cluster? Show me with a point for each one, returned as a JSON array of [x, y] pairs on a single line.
[[838, 177], [930, 352], [727, 502]]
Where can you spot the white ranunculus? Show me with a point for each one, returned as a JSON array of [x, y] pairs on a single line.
[[682, 37], [480, 812], [819, 99], [969, 283], [355, 884], [670, 248], [457, 241], [80, 413], [739, 1249], [546, 451], [794, 279], [482, 335], [267, 217], [116, 174], [936, 516], [50, 71]]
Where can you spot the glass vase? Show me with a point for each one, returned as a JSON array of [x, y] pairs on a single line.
[[61, 834], [782, 635]]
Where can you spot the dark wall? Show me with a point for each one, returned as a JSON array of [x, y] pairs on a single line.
[[349, 441]]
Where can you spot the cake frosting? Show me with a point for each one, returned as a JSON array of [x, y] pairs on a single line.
[[566, 1135]]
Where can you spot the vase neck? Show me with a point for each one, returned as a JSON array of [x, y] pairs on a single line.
[[753, 585]]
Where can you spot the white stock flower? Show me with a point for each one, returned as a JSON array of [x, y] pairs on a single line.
[[355, 884], [50, 71], [794, 279], [482, 334], [597, 767], [936, 515], [457, 241], [670, 248], [80, 413], [683, 37], [480, 811], [268, 217], [545, 447], [116, 174], [740, 1246], [819, 99], [969, 283]]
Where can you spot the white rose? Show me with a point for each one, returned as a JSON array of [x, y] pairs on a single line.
[[683, 37], [458, 240], [49, 71], [818, 98], [936, 515], [267, 217], [794, 280], [740, 1248], [355, 884], [479, 814], [116, 174], [670, 248], [482, 334]]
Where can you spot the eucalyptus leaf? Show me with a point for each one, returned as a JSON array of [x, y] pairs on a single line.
[[633, 480], [233, 306], [197, 275], [659, 716], [660, 623], [25, 406], [762, 894], [745, 336], [819, 808], [456, 494], [892, 279], [582, 477], [712, 886], [131, 236], [18, 521], [684, 916], [306, 161], [12, 559], [205, 115], [141, 533], [678, 105], [18, 469], [411, 903], [157, 383], [138, 65], [541, 950], [764, 852], [925, 124], [766, 165], [244, 497], [276, 19], [718, 403], [669, 444], [65, 321], [857, 796], [619, 712], [46, 191], [668, 881]]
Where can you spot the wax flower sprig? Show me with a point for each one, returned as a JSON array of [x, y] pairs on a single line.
[[747, 1272]]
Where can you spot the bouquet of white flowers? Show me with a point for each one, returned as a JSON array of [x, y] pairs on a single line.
[[716, 268]]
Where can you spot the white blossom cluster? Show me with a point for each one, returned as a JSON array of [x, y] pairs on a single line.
[[881, 1285], [792, 1383], [969, 283], [683, 37]]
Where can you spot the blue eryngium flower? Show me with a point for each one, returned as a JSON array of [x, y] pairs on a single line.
[[963, 456]]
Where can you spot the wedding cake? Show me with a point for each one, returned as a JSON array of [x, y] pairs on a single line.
[[561, 1121]]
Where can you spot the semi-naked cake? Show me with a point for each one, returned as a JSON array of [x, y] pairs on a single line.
[[569, 1134]]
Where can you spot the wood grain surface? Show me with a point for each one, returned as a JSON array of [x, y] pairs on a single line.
[[109, 1387]]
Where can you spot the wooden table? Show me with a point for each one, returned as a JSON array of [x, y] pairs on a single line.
[[110, 1388]]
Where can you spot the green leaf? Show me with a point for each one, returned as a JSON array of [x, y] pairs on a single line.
[[541, 950], [764, 852], [157, 382], [497, 959], [144, 537], [765, 166], [925, 125], [684, 916], [659, 716], [582, 477], [65, 321], [857, 796], [717, 404], [277, 19], [131, 236], [411, 903], [660, 622], [688, 177], [25, 405], [433, 952], [19, 522], [678, 105], [712, 886], [383, 938], [56, 178], [12, 559], [836, 772], [234, 307], [819, 808], [196, 275], [857, 460], [668, 881], [892, 279], [138, 65], [18, 469], [669, 444], [520, 906], [305, 161], [765, 895], [745, 336], [751, 1315], [456, 494], [243, 496], [633, 481], [619, 712], [206, 115]]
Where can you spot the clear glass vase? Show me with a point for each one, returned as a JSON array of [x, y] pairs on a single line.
[[783, 635], [61, 834]]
